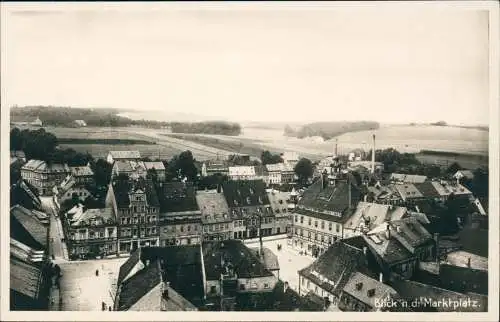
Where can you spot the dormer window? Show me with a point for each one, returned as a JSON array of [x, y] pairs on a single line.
[[248, 200], [235, 202]]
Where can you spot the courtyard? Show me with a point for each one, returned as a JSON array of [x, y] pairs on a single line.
[[289, 260], [82, 290]]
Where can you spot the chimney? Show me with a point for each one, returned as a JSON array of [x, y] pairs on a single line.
[[436, 241], [373, 155], [336, 142], [387, 232], [381, 277], [468, 262], [285, 287]]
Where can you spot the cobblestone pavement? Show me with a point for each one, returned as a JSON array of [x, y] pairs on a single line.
[[82, 290]]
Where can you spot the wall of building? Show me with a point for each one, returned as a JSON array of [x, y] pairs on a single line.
[[251, 285], [306, 286]]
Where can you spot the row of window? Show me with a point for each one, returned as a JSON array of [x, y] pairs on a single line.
[[330, 224], [136, 220], [216, 227], [82, 234], [181, 228], [128, 232], [317, 237], [135, 209]]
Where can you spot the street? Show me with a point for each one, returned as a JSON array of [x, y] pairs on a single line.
[[57, 247], [289, 259]]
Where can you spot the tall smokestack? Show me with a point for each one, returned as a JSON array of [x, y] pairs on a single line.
[[336, 142], [373, 155]]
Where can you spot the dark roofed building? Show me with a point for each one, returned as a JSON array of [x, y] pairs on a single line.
[[27, 228], [144, 283], [320, 215], [463, 279], [29, 286], [328, 275], [180, 216], [123, 156], [245, 193], [428, 190], [21, 193], [136, 208], [231, 264]]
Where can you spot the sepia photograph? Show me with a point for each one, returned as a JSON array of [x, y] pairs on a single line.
[[232, 161]]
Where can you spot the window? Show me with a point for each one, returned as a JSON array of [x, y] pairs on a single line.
[[310, 221], [296, 218], [338, 227], [182, 229], [309, 234], [213, 289], [189, 227], [301, 219], [322, 224], [316, 224], [266, 285], [329, 226], [242, 287], [195, 227], [315, 236], [101, 234]]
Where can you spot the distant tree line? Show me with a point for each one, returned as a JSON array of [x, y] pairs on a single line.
[[212, 127], [66, 116], [328, 130]]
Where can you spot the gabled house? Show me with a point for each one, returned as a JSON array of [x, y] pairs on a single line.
[[215, 216], [22, 194], [323, 210], [136, 207], [143, 285], [29, 227], [91, 232], [407, 178], [249, 207], [280, 173], [180, 216], [330, 273], [82, 174], [210, 168], [231, 269], [70, 189], [44, 176], [114, 156]]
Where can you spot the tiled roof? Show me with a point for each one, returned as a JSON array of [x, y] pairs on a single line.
[[408, 178], [244, 262], [154, 165], [122, 166], [245, 193], [333, 268], [31, 224], [278, 199], [212, 204], [461, 258], [331, 198], [22, 194], [269, 259], [25, 278], [242, 170], [81, 171], [410, 290], [445, 188], [389, 250], [427, 189], [464, 173], [408, 191], [129, 264], [182, 268], [43, 166], [101, 216], [25, 253], [410, 232], [122, 189], [125, 154], [139, 285], [373, 214], [177, 197], [333, 218], [359, 286]]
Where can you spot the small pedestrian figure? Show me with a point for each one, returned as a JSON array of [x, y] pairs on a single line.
[[103, 306], [109, 307], [96, 272]]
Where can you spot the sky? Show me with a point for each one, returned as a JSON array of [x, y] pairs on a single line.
[[266, 62]]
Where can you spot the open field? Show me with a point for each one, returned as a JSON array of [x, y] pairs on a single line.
[[255, 139]]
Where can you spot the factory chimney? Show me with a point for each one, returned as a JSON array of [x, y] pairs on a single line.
[[335, 152], [373, 155]]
